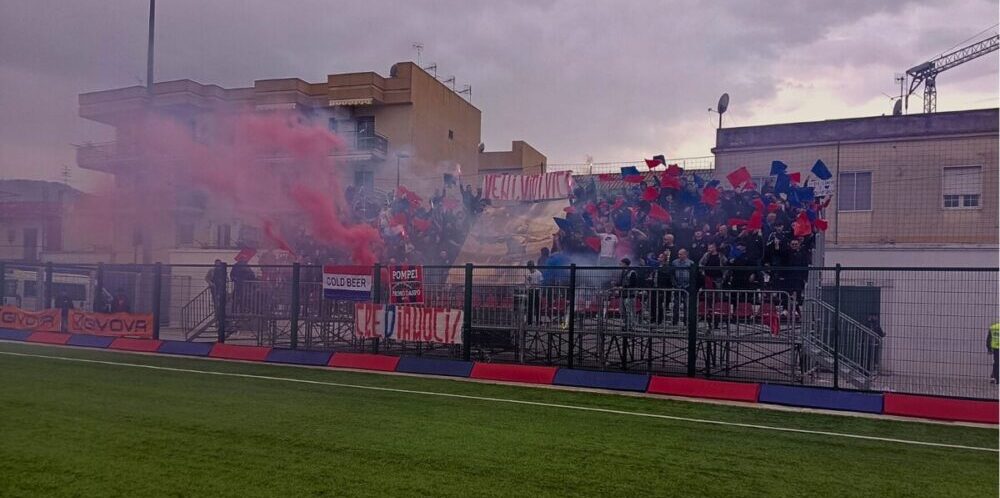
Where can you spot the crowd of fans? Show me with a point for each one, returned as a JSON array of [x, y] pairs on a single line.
[[660, 223]]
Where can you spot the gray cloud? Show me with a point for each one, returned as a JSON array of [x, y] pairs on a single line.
[[571, 77]]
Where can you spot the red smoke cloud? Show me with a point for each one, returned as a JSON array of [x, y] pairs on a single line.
[[262, 168]]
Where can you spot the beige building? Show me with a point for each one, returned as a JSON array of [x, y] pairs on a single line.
[[917, 181], [407, 128], [521, 159]]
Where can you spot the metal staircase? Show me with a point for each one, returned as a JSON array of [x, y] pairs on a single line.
[[858, 347], [198, 316]]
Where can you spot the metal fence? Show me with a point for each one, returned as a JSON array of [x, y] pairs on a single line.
[[911, 330]]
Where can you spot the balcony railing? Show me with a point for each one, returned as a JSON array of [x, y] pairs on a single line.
[[373, 143]]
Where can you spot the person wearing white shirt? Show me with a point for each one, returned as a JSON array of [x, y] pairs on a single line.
[[533, 281], [608, 243]]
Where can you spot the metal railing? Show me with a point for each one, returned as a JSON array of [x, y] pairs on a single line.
[[907, 330]]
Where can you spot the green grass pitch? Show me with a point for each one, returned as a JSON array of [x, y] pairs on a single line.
[[70, 428]]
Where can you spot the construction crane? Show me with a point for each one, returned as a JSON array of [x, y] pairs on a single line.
[[927, 72]]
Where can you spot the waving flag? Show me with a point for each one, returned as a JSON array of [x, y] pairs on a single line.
[[821, 171]]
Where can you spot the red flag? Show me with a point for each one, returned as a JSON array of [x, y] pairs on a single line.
[[773, 321], [801, 226], [413, 198], [658, 213], [606, 177], [619, 202], [738, 222], [821, 224], [399, 219], [795, 177], [710, 196], [633, 179], [739, 177], [750, 185], [593, 243], [591, 208], [758, 204], [674, 170], [270, 233], [670, 182], [569, 209], [245, 254], [421, 224], [756, 220], [652, 163], [650, 194], [771, 208]]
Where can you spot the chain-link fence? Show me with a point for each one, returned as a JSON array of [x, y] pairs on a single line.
[[911, 330]]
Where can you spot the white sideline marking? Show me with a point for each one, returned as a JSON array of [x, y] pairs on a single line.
[[505, 400]]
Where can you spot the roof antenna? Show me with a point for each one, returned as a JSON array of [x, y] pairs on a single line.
[[451, 79], [467, 89], [419, 47], [434, 68]]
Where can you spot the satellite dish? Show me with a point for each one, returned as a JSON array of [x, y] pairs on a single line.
[[723, 103], [897, 108]]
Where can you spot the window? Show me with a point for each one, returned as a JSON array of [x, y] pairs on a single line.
[[366, 126], [333, 124], [451, 135], [961, 187], [364, 179], [854, 191], [223, 236], [185, 234]]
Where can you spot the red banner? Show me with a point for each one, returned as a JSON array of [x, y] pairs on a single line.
[[406, 284], [12, 317], [139, 326]]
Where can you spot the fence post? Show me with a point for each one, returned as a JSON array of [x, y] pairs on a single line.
[[294, 326], [467, 315], [836, 328], [220, 307], [571, 309], [157, 295], [48, 286], [692, 319], [100, 288], [376, 299]]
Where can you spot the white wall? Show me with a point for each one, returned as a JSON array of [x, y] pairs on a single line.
[[935, 321]]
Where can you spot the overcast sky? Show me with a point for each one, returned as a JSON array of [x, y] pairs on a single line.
[[614, 80]]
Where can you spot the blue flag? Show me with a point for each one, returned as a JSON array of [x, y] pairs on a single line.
[[782, 184], [778, 168], [699, 181], [564, 224], [821, 171], [630, 171], [734, 252], [712, 183]]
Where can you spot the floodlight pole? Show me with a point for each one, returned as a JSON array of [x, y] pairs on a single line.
[[149, 47]]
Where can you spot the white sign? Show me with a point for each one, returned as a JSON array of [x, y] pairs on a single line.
[[546, 186], [825, 187], [408, 323], [347, 283]]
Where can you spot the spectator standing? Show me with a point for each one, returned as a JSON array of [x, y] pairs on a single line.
[[533, 281], [609, 241], [712, 262], [64, 303], [121, 303], [682, 280], [627, 283], [993, 346]]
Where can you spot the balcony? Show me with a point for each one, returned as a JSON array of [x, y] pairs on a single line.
[[106, 157], [374, 143]]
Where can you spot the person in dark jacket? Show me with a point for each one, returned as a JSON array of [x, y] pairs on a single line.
[[796, 255], [241, 274], [627, 282], [121, 303], [64, 303]]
